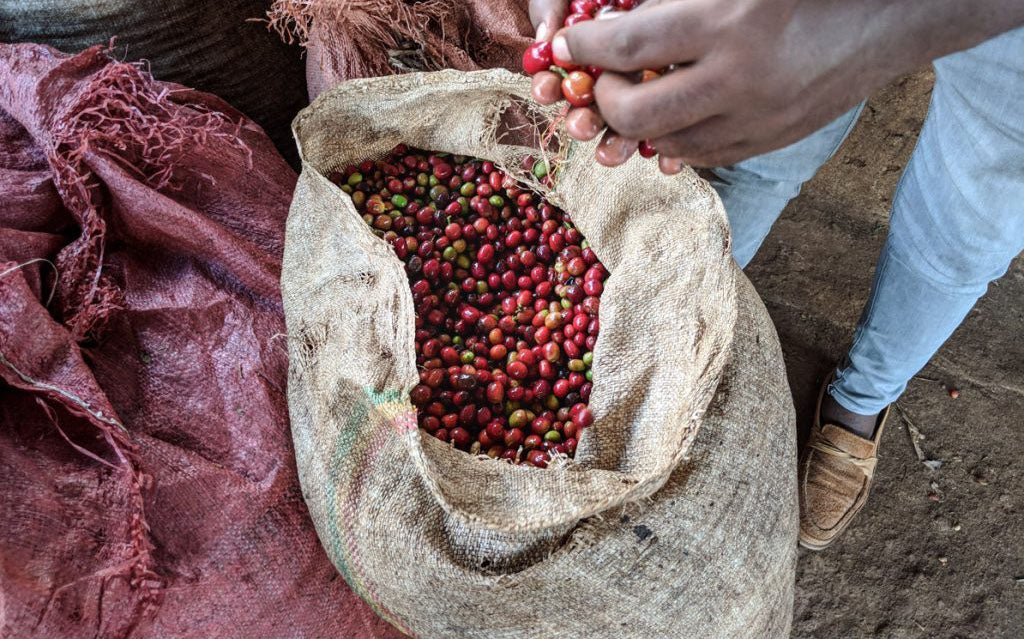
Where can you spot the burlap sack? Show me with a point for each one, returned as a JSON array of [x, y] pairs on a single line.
[[632, 538]]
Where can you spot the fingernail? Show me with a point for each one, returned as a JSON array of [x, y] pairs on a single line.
[[543, 31], [560, 49], [670, 166], [613, 149]]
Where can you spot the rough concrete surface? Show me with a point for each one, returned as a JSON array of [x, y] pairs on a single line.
[[936, 552]]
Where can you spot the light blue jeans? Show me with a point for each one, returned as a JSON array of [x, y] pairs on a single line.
[[957, 216]]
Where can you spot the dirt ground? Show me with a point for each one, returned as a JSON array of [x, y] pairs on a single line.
[[936, 552]]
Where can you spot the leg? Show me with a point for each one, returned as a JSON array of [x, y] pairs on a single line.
[[755, 191], [957, 223]]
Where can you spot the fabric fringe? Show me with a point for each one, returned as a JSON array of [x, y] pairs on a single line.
[[364, 36], [126, 115]]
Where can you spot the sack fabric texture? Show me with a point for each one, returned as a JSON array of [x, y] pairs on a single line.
[[348, 39], [678, 514], [147, 479], [222, 47]]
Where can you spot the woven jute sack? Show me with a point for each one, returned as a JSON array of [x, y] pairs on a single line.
[[677, 516]]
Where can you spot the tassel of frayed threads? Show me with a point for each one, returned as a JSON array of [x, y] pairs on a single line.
[[129, 117], [126, 113], [361, 37]]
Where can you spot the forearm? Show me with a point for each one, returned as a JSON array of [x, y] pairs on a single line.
[[908, 34]]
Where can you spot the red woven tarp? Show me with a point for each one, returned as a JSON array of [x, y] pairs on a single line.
[[147, 480]]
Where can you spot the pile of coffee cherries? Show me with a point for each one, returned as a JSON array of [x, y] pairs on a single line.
[[554, 79], [506, 292]]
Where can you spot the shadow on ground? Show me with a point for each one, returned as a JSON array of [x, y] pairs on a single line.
[[936, 552]]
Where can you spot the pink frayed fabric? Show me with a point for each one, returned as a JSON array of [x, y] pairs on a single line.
[[346, 39], [147, 475]]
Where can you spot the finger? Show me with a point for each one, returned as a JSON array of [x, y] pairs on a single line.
[[722, 141], [655, 108], [650, 4], [583, 124], [712, 142], [613, 149], [727, 156], [546, 87], [669, 165], [648, 39], [547, 16]]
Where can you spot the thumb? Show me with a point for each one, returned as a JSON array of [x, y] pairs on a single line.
[[647, 38], [547, 16]]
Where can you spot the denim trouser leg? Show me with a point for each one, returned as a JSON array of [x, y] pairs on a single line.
[[957, 222], [755, 191]]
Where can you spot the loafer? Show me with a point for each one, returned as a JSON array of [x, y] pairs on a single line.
[[836, 469]]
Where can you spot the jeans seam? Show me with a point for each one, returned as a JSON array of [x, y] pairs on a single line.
[[869, 311], [846, 134], [880, 270]]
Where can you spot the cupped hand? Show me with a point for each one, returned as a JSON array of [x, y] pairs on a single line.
[[582, 122], [752, 76]]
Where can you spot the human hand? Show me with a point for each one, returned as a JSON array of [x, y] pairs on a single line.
[[755, 74], [758, 74], [582, 121]]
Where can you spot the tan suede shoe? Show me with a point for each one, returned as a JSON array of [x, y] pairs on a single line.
[[836, 470]]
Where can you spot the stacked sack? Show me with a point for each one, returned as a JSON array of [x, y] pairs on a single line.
[[220, 47]]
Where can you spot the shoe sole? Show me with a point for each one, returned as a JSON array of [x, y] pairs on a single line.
[[814, 546]]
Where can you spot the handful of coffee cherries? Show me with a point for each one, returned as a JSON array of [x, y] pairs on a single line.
[[555, 80]]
